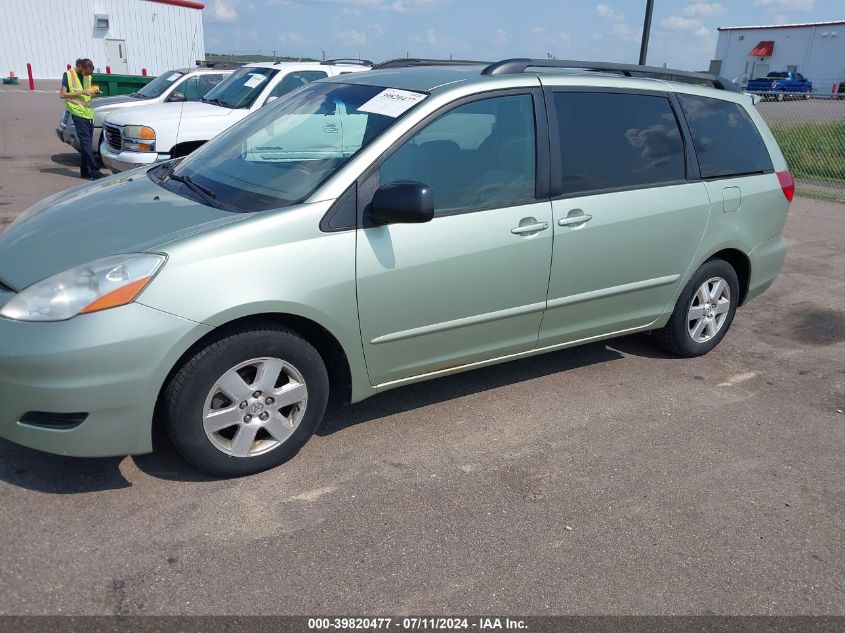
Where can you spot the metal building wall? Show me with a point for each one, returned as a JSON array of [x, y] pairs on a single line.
[[817, 51], [50, 34]]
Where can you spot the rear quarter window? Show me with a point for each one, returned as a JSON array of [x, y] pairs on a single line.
[[725, 138]]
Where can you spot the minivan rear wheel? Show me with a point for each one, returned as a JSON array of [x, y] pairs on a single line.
[[704, 311], [247, 401]]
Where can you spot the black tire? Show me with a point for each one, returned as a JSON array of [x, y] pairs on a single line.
[[675, 336], [185, 395]]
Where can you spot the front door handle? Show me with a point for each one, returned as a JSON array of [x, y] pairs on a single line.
[[536, 227], [575, 220]]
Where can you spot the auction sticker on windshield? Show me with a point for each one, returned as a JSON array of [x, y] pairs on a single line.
[[392, 102], [254, 80]]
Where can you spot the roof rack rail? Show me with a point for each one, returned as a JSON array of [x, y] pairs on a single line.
[[404, 62], [348, 60], [520, 65]]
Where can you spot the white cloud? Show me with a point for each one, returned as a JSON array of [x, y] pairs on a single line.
[[703, 9], [786, 5], [625, 32], [402, 6], [223, 12], [677, 23], [357, 38], [608, 13], [291, 38], [353, 7], [501, 36], [691, 25], [430, 36], [376, 29]]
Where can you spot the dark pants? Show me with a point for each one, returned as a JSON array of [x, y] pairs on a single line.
[[85, 133]]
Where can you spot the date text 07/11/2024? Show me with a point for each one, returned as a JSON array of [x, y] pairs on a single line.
[[416, 623]]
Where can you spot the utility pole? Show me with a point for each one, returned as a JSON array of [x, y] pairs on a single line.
[[649, 8]]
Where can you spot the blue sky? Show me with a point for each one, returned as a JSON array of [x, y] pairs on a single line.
[[683, 33]]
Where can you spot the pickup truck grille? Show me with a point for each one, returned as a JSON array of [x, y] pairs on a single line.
[[113, 137]]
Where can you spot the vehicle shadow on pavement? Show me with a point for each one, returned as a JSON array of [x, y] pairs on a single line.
[[70, 165], [55, 474], [165, 463], [447, 388]]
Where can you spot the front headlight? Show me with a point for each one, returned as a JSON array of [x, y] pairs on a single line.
[[106, 283], [139, 138]]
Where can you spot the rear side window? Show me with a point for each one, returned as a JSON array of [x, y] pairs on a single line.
[[615, 140], [725, 138]]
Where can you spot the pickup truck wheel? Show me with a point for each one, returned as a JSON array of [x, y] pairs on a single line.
[[247, 401], [704, 311]]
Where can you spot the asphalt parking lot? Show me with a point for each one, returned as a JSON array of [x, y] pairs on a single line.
[[607, 479]]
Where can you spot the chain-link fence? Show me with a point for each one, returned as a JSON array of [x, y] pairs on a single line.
[[811, 134]]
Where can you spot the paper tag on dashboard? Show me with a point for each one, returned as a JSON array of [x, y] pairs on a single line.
[[392, 102], [254, 80], [174, 77]]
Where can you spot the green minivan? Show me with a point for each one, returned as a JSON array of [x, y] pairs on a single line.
[[376, 229]]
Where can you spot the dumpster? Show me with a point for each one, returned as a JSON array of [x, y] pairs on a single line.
[[111, 85]]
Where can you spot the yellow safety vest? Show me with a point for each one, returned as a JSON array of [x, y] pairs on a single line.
[[79, 105]]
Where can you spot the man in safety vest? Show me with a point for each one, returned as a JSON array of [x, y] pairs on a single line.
[[77, 93]]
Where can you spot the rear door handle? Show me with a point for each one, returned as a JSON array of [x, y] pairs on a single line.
[[574, 220], [530, 228]]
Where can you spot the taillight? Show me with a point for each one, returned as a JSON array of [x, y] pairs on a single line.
[[787, 184]]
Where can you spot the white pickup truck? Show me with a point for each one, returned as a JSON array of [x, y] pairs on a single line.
[[182, 84], [143, 136]]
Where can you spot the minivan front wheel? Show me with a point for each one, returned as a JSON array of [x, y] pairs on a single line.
[[704, 311], [247, 401]]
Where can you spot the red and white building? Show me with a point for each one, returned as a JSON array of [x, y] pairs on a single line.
[[815, 49], [125, 35]]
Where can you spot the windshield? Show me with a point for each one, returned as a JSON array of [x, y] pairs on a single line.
[[240, 88], [280, 155], [158, 85]]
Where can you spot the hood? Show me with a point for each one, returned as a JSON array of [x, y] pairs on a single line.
[[127, 213], [101, 102], [104, 105], [152, 114]]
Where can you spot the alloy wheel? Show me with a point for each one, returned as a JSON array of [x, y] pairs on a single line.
[[709, 309], [255, 407]]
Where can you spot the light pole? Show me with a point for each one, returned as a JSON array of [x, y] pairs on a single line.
[[649, 7]]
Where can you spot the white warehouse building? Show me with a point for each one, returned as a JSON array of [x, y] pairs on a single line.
[[124, 35], [816, 50]]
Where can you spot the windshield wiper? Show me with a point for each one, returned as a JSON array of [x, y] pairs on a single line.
[[195, 186], [216, 102]]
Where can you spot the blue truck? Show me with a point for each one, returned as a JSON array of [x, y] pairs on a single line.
[[781, 85]]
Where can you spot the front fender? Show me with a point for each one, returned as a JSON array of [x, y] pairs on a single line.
[[269, 263]]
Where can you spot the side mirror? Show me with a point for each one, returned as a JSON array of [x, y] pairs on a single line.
[[177, 96], [402, 202]]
